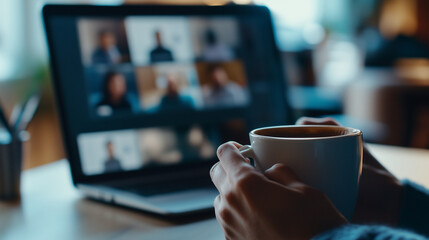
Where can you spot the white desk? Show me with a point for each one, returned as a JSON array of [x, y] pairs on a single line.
[[52, 209], [404, 163]]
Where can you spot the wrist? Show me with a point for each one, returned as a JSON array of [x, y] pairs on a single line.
[[379, 200]]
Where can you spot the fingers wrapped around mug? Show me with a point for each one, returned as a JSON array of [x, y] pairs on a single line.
[[282, 174], [232, 170], [317, 121]]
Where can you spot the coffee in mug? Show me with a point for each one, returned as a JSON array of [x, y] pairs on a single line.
[[328, 158]]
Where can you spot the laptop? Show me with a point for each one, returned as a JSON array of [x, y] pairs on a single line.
[[147, 93]]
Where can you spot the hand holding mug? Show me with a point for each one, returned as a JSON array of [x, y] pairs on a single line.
[[270, 205], [379, 191]]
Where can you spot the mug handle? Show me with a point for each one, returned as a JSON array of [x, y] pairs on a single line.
[[247, 151]]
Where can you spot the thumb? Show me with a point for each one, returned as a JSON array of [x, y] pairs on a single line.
[[281, 174]]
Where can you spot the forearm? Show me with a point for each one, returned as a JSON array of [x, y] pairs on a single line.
[[414, 212], [413, 216]]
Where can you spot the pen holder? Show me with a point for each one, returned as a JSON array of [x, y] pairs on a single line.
[[11, 164]]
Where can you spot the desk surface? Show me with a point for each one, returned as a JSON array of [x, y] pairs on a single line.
[[52, 209]]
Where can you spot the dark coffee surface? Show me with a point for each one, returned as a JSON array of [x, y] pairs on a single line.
[[302, 132]]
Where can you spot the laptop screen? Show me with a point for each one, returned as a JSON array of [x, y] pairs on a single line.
[[161, 89]]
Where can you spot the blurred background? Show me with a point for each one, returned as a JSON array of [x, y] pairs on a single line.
[[363, 62]]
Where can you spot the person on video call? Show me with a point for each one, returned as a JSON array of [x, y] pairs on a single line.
[[277, 205], [107, 52], [114, 97], [222, 91], [112, 164], [214, 50], [173, 100], [160, 53]]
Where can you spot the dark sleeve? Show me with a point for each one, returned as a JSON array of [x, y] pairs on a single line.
[[170, 55], [127, 104], [413, 216], [96, 57], [414, 212], [367, 232], [152, 56]]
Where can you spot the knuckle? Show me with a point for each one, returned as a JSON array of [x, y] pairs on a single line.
[[330, 121], [220, 151], [305, 189], [243, 170], [311, 192], [223, 148], [225, 214], [320, 194], [230, 197], [279, 167], [214, 167], [247, 181], [229, 234], [216, 201], [302, 120], [283, 169]]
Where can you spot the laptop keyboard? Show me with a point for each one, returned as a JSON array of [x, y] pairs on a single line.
[[166, 187]]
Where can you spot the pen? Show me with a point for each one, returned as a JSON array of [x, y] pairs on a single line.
[[4, 121]]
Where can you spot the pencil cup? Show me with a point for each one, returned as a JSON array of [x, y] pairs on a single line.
[[11, 164]]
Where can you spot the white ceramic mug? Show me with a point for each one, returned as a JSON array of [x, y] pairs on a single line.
[[328, 158]]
